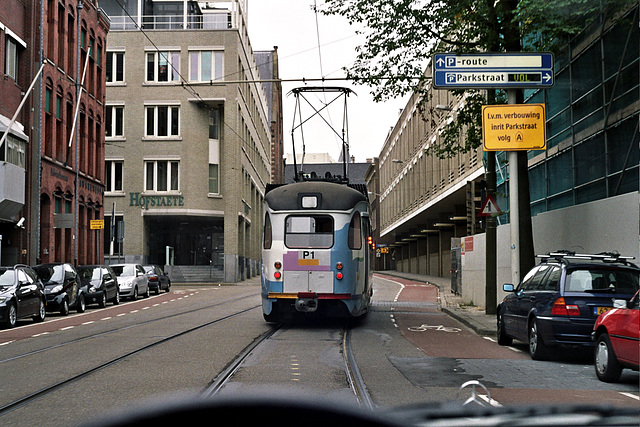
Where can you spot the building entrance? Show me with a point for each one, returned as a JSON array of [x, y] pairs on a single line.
[[196, 241]]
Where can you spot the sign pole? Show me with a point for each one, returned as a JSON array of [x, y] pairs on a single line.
[[514, 210]]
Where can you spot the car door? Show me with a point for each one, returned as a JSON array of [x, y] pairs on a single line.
[[109, 283], [527, 298], [624, 336], [71, 283], [142, 279], [27, 294]]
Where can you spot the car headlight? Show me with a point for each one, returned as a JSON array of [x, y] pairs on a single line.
[[56, 289], [3, 299]]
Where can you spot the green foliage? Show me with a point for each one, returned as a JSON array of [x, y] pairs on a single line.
[[403, 35]]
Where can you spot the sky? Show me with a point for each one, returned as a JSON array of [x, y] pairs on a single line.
[[291, 25]]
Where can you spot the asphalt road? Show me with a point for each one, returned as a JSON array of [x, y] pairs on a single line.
[[407, 350]]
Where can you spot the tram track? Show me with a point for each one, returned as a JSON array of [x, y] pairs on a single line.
[[123, 328], [354, 378], [16, 403]]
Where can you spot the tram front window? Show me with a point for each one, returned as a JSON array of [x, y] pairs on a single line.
[[309, 231]]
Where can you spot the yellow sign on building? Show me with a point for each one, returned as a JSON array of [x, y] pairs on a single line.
[[514, 127], [96, 224]]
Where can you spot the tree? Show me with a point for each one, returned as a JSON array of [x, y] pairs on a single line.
[[402, 36]]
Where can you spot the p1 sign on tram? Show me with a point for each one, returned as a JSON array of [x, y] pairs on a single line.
[[493, 70]]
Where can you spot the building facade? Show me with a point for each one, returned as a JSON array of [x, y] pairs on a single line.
[[584, 186], [188, 142], [58, 138]]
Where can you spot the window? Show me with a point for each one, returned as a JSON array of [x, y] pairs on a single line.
[[162, 120], [115, 67], [13, 150], [161, 175], [268, 232], [114, 116], [11, 58], [214, 179], [163, 66], [314, 231], [205, 65], [355, 236], [113, 175]]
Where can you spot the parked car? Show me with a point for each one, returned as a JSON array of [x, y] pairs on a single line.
[[21, 295], [99, 284], [131, 280], [158, 279], [61, 287], [558, 301], [617, 337]]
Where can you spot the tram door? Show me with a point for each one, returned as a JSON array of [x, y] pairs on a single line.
[[307, 263]]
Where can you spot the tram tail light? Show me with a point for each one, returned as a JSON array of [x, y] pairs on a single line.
[[339, 276], [339, 266], [278, 266]]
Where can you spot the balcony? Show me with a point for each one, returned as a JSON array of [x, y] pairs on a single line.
[[218, 20]]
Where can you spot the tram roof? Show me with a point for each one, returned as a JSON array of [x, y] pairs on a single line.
[[330, 195]]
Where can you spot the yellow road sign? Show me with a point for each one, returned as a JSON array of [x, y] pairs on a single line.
[[514, 127], [97, 224]]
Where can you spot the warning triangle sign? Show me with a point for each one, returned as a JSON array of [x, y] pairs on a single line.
[[489, 207]]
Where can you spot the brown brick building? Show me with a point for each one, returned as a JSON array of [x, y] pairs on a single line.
[[60, 142]]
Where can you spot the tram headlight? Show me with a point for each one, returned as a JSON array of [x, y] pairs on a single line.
[[277, 265], [339, 266]]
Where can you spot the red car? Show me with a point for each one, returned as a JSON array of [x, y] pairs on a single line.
[[616, 334]]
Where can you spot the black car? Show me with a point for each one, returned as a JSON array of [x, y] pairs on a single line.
[[61, 287], [99, 284], [21, 295], [558, 301], [158, 279]]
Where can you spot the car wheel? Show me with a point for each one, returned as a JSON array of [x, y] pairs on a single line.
[[80, 305], [537, 349], [147, 293], [42, 312], [608, 369], [12, 316], [169, 287], [64, 310], [503, 338], [116, 299], [135, 293], [103, 301]]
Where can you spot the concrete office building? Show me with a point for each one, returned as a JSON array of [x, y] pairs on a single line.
[[188, 142]]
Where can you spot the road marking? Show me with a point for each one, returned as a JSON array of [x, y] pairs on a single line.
[[89, 322], [441, 328], [67, 328], [5, 343], [490, 401], [632, 396]]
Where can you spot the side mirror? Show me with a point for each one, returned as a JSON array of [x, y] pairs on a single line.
[[508, 287]]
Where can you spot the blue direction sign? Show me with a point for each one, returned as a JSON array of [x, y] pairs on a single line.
[[510, 70]]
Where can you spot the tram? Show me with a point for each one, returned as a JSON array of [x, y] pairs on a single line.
[[316, 252]]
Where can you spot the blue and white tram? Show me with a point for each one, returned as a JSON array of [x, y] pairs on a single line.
[[316, 256]]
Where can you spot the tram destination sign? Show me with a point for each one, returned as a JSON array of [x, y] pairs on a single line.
[[519, 70]]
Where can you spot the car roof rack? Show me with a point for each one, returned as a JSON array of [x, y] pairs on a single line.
[[563, 255]]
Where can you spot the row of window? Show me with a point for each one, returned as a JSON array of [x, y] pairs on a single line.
[[164, 66], [159, 176], [160, 121]]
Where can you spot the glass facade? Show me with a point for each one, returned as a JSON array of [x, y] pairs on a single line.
[[592, 122]]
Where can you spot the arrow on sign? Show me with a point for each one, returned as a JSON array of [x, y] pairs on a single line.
[[490, 207]]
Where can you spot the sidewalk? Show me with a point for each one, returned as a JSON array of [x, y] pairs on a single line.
[[473, 317]]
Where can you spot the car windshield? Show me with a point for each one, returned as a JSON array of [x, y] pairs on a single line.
[[50, 273], [602, 280], [148, 269], [7, 276], [124, 270], [89, 273]]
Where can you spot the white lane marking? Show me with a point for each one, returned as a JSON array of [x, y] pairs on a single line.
[[631, 395]]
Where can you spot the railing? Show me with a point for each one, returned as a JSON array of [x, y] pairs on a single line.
[[211, 21]]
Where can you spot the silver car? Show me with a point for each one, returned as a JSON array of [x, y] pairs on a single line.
[[132, 281]]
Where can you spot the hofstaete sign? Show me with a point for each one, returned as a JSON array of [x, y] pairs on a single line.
[[147, 201]]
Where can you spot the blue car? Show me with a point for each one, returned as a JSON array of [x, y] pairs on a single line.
[[558, 301]]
